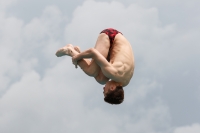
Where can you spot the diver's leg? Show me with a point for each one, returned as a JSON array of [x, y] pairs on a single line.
[[67, 50], [102, 45], [89, 66], [72, 51]]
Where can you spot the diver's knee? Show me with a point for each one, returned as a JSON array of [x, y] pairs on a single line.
[[102, 80]]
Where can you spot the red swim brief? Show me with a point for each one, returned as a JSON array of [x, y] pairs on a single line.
[[111, 34]]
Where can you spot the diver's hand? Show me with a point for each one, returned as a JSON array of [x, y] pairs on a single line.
[[75, 60]]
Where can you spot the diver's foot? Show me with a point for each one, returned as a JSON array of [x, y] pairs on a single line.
[[66, 50], [77, 49]]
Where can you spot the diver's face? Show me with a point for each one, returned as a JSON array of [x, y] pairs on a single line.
[[105, 90], [110, 86]]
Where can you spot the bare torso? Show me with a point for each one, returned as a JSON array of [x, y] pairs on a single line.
[[122, 59]]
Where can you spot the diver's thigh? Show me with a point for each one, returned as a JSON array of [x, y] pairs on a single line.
[[103, 44], [101, 78]]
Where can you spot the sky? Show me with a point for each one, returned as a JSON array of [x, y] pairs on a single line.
[[45, 94]]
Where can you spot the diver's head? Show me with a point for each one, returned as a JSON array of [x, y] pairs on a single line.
[[113, 92]]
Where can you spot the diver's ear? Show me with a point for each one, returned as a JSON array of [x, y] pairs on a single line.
[[112, 88]]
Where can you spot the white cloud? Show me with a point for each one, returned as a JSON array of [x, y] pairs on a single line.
[[21, 45], [44, 98], [9, 40], [194, 128], [52, 103], [43, 93]]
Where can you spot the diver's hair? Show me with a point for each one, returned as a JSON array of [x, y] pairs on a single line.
[[116, 96]]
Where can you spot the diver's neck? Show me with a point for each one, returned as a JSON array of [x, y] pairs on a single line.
[[117, 83]]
